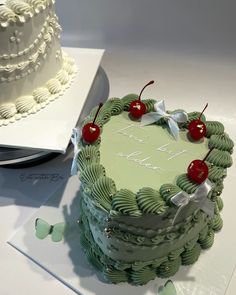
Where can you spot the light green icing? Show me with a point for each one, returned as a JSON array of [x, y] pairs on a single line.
[[220, 203], [213, 128], [149, 103], [150, 160], [186, 184], [103, 190], [137, 249], [217, 223], [191, 256], [115, 106], [88, 155], [220, 158], [115, 276], [221, 142], [142, 276], [150, 201], [169, 268], [208, 241], [91, 173], [216, 173], [125, 203]]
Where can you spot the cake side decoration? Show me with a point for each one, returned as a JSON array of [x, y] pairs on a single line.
[[172, 119], [182, 200]]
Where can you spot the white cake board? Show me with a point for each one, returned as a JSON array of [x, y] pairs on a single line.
[[50, 129], [210, 275]]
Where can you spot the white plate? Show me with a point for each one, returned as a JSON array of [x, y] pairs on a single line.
[[50, 129]]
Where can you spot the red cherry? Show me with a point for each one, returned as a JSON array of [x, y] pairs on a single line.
[[197, 129], [198, 171], [91, 131], [138, 108]]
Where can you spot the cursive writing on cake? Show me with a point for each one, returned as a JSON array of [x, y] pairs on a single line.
[[140, 159]]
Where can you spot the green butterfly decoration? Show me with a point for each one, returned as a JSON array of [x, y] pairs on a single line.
[[168, 289], [43, 229]]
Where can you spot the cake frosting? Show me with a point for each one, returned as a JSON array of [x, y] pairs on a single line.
[[33, 69], [129, 177]]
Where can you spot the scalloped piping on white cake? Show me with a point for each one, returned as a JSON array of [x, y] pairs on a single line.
[[21, 10], [31, 104], [51, 22], [32, 62]]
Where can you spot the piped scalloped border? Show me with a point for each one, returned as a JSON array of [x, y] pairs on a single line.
[[42, 96], [14, 11]]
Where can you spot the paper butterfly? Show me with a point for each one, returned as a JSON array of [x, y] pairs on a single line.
[[168, 289], [43, 229]]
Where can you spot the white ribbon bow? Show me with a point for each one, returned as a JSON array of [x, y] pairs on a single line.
[[199, 197], [75, 140], [172, 119]]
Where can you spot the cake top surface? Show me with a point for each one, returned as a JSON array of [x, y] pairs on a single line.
[[133, 170], [148, 156]]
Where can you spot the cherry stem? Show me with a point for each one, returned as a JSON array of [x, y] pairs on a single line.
[[207, 155], [203, 111], [99, 107], [150, 83]]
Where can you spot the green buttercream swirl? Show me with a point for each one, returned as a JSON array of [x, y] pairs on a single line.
[[169, 268], [191, 256], [216, 173], [220, 158], [142, 276], [104, 115], [91, 173], [221, 142], [124, 202], [213, 128], [150, 201], [149, 103], [208, 241], [128, 99], [173, 255], [220, 203], [87, 156], [203, 233], [115, 106], [167, 191], [115, 276], [186, 184], [190, 245], [103, 190], [217, 223]]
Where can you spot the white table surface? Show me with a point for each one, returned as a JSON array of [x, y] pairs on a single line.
[[183, 81]]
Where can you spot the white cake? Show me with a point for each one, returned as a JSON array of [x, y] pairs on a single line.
[[33, 69]]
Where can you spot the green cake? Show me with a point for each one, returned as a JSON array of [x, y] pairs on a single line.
[[129, 178]]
